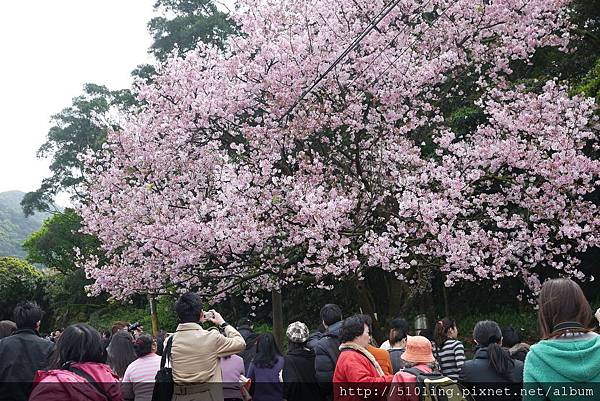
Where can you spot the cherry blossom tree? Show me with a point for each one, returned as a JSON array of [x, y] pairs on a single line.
[[233, 177]]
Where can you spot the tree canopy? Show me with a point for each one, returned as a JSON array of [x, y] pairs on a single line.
[[233, 176]]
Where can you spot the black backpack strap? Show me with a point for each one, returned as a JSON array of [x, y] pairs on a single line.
[[166, 352], [90, 379], [413, 371]]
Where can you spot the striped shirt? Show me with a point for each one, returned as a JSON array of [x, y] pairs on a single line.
[[138, 381], [450, 358]]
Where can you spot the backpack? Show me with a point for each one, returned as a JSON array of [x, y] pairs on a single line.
[[437, 387]]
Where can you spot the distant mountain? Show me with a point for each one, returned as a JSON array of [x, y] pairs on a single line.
[[14, 226]]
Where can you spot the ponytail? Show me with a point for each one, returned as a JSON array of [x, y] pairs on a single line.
[[488, 334], [440, 332]]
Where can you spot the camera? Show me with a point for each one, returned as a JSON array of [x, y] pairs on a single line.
[[134, 326], [209, 315]]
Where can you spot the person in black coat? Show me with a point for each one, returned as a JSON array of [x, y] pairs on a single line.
[[246, 329], [299, 383], [327, 348], [23, 353], [492, 367]]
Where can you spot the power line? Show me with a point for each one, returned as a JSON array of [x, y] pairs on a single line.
[[382, 14]]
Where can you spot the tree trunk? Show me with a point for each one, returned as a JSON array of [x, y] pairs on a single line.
[[278, 318], [367, 306], [153, 315]]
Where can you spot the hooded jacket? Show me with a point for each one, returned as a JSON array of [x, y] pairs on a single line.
[[64, 385], [552, 366]]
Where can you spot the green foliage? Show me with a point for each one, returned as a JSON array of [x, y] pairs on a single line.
[[194, 21], [14, 226], [76, 130], [167, 318], [20, 282], [591, 83]]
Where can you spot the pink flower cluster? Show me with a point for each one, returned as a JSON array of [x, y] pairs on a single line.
[[212, 186]]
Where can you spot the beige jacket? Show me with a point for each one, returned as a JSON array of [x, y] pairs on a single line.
[[195, 352]]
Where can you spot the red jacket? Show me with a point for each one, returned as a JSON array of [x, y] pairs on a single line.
[[356, 378], [63, 385]]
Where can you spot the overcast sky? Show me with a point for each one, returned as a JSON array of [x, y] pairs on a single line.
[[49, 50]]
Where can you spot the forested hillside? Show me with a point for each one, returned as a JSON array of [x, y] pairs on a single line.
[[14, 226]]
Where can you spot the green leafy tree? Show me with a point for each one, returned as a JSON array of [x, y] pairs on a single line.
[[194, 21], [19, 281], [53, 246], [76, 130]]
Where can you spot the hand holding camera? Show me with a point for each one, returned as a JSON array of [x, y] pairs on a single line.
[[214, 317]]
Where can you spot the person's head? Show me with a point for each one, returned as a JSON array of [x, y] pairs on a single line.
[[418, 351], [561, 302], [160, 342], [244, 323], [444, 329], [330, 314], [297, 334], [356, 329], [510, 336], [144, 345], [121, 352], [117, 326], [266, 351], [28, 315], [189, 308], [78, 343], [487, 334], [7, 327], [398, 331]]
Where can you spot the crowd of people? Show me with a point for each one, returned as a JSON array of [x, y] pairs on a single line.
[[340, 361]]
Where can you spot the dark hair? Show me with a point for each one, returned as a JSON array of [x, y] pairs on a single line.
[[292, 346], [266, 351], [510, 337], [27, 315], [427, 333], [143, 345], [7, 327], [354, 326], [330, 314], [118, 326], [189, 308], [487, 333], [78, 343], [398, 330], [561, 300], [440, 332], [243, 322], [160, 342], [121, 352]]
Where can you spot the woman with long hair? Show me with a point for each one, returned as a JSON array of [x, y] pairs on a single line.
[[449, 352], [121, 352], [569, 352], [492, 365], [265, 371], [78, 370], [138, 381]]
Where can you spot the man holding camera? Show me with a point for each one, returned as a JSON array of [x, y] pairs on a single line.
[[195, 352]]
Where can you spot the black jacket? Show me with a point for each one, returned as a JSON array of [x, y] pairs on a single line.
[[250, 352], [299, 383], [479, 374], [327, 351], [21, 355]]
